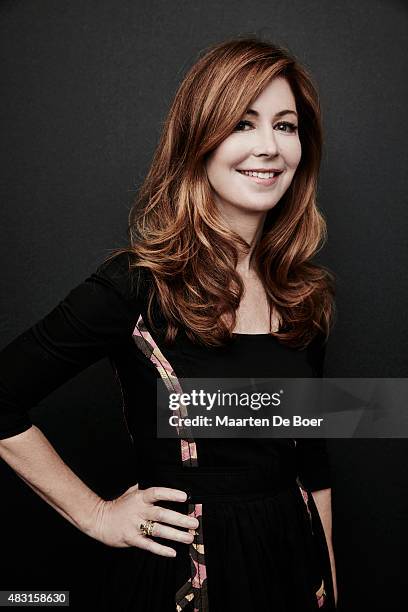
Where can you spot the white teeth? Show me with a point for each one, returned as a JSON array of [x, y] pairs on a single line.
[[264, 175]]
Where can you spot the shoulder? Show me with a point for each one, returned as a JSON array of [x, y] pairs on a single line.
[[119, 273]]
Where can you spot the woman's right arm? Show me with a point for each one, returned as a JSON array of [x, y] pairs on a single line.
[[93, 319], [115, 523]]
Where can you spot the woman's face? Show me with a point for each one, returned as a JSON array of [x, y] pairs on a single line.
[[265, 139]]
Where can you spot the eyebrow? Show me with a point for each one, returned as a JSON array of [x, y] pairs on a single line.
[[252, 111]]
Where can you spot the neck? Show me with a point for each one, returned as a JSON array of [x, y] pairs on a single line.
[[248, 225], [246, 262]]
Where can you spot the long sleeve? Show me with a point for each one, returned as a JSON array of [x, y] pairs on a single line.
[[313, 463], [88, 324]]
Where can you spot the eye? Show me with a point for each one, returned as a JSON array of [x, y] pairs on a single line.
[[292, 127], [243, 122]]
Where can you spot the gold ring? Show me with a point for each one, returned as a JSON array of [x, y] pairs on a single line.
[[147, 528]]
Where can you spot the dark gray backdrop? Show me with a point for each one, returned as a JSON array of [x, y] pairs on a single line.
[[85, 88]]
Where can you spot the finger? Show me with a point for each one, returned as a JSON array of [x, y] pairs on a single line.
[[168, 533], [171, 517], [158, 549], [154, 494]]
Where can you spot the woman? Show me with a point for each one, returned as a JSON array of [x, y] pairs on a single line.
[[217, 281]]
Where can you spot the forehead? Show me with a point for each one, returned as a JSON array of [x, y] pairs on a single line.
[[275, 96]]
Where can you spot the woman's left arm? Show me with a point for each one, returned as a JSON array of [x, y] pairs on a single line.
[[322, 499]]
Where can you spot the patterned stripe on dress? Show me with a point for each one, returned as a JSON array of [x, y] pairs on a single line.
[[321, 592], [195, 589]]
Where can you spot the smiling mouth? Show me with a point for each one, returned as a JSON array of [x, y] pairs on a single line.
[[263, 175], [261, 178]]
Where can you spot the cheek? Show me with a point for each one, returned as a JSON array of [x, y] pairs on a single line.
[[218, 163], [296, 154], [224, 156], [292, 156]]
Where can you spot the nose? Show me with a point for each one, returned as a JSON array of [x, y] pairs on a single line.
[[266, 142]]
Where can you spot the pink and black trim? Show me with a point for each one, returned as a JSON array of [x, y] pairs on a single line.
[[195, 589]]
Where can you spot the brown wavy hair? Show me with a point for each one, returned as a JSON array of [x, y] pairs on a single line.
[[175, 229]]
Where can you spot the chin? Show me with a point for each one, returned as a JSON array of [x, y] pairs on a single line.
[[258, 207], [262, 205]]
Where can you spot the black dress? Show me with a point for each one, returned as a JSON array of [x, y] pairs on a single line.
[[260, 544]]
